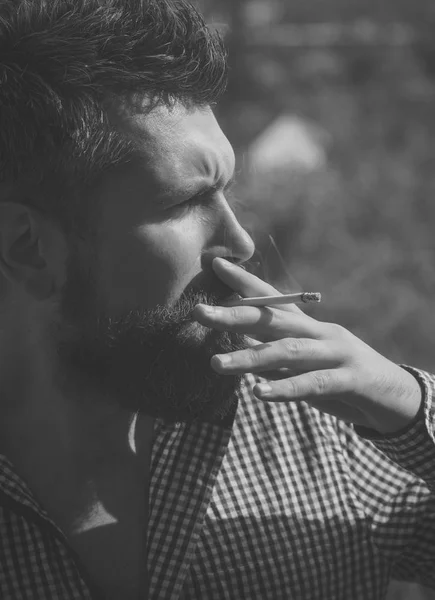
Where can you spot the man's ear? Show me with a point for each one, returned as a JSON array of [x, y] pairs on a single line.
[[31, 250]]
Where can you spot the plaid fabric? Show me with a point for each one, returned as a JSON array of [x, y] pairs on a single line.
[[278, 502]]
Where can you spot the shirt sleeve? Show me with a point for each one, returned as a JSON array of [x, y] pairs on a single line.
[[413, 448], [393, 478]]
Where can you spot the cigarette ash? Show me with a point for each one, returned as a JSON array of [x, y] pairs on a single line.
[[311, 297]]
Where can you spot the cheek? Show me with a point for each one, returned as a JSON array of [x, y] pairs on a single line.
[[151, 265]]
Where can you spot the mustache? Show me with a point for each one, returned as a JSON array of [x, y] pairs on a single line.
[[209, 289], [165, 318], [190, 298]]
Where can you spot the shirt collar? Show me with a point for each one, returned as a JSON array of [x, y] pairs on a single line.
[[15, 488]]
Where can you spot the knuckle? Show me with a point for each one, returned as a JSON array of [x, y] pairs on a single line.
[[234, 314], [253, 356], [322, 382], [336, 331], [292, 388], [293, 346]]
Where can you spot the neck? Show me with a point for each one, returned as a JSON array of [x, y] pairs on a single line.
[[70, 448]]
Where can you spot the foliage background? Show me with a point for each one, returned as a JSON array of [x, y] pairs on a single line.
[[360, 229]]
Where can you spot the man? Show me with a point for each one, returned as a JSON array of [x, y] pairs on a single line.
[[135, 462]]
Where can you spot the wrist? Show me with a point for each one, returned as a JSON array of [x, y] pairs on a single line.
[[407, 408]]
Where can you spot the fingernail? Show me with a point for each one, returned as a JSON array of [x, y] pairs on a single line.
[[263, 389], [224, 359]]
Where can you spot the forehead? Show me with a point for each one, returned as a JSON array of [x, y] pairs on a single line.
[[179, 146]]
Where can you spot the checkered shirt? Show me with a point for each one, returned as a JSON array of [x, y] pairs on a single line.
[[277, 502]]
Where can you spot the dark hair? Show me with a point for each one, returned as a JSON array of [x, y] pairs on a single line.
[[63, 62]]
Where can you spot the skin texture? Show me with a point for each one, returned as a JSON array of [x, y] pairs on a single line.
[[94, 330], [307, 360], [91, 327], [129, 332]]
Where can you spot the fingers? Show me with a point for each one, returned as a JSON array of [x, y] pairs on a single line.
[[277, 374], [246, 284], [267, 322], [298, 355], [320, 385]]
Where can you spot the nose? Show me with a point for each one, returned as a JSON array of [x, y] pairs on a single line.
[[230, 239]]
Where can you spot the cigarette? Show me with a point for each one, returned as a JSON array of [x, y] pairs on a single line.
[[305, 297]]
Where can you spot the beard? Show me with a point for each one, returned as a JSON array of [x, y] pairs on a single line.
[[156, 361]]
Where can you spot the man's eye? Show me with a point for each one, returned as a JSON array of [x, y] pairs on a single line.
[[190, 203], [198, 200]]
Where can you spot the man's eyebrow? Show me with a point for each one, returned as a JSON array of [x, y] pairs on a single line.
[[207, 189], [195, 192]]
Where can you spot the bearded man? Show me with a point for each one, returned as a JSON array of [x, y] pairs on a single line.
[[136, 462]]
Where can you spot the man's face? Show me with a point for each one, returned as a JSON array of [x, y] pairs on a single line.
[[125, 327]]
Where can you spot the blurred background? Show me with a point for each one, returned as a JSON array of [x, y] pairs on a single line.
[[331, 111]]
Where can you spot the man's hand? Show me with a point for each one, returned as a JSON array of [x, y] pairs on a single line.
[[305, 359]]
